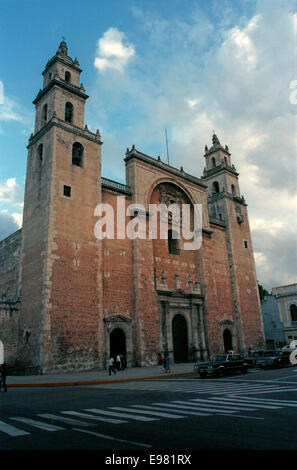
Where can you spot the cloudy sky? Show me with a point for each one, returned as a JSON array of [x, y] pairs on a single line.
[[189, 66]]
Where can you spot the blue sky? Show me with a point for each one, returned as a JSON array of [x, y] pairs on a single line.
[[190, 66]]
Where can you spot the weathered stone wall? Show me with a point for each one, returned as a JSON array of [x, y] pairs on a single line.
[[9, 320], [10, 249]]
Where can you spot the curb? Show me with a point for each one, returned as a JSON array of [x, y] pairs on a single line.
[[94, 382]]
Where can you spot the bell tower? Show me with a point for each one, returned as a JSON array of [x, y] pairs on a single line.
[[227, 205], [60, 280]]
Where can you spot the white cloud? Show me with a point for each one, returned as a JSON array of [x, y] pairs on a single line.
[[8, 225], [113, 51], [11, 192]]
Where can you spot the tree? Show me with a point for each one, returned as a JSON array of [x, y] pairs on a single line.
[[262, 292]]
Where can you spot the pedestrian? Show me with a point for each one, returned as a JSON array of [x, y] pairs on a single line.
[[167, 363], [160, 362], [119, 362], [3, 377], [250, 352], [111, 366]]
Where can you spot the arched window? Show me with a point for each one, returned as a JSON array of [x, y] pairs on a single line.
[[173, 243], [213, 162], [44, 115], [68, 112], [40, 153], [67, 77], [215, 186], [77, 154], [233, 190], [293, 312]]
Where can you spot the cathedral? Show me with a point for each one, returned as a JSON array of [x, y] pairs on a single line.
[[70, 300]]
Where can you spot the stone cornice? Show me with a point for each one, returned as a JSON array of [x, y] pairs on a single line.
[[63, 84], [216, 196], [163, 166], [56, 58], [54, 121], [218, 169]]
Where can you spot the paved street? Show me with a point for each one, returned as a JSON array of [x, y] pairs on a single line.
[[256, 411]]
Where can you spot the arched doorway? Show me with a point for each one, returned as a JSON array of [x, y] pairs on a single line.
[[227, 337], [180, 338], [117, 342]]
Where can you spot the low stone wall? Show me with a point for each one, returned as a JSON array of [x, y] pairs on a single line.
[[9, 321], [10, 252]]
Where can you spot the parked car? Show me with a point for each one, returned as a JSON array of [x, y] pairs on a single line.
[[270, 359], [251, 360], [221, 364]]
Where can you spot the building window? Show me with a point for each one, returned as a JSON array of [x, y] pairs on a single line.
[[215, 186], [44, 115], [293, 312], [213, 162], [67, 191], [233, 190], [173, 243], [69, 112], [40, 153], [67, 77], [246, 245], [77, 154]]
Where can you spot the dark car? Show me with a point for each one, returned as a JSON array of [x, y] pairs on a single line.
[[220, 365], [271, 358], [251, 360]]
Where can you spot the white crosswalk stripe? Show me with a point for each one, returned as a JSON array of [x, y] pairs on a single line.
[[261, 401], [223, 402], [144, 410], [37, 424], [11, 430], [238, 403], [65, 420], [95, 418], [187, 408], [123, 415]]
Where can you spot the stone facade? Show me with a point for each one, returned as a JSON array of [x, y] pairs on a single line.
[[82, 299], [286, 297], [273, 324]]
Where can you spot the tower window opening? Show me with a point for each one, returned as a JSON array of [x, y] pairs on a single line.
[[213, 162], [216, 187], [69, 112], [173, 243], [246, 245], [44, 115], [67, 191], [293, 312], [77, 154], [233, 190], [67, 77], [40, 153]]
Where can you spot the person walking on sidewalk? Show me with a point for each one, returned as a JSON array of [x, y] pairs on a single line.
[[167, 363], [3, 377], [160, 362], [111, 366]]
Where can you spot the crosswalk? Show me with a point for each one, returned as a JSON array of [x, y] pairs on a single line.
[[230, 405], [205, 386]]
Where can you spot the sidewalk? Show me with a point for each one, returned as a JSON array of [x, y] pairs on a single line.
[[96, 376]]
